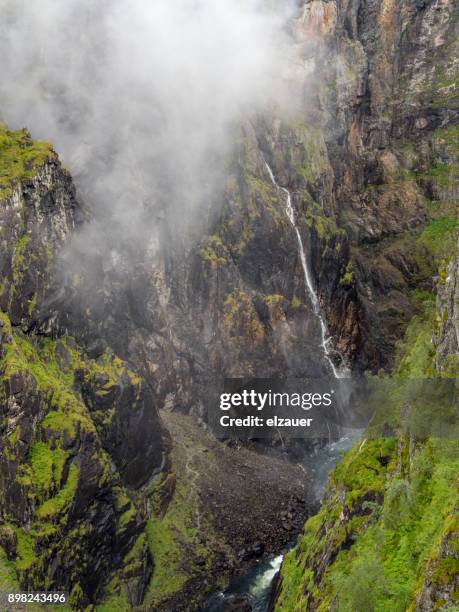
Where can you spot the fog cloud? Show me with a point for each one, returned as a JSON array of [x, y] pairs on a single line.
[[139, 97]]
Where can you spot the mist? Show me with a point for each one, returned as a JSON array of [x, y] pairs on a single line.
[[140, 99]]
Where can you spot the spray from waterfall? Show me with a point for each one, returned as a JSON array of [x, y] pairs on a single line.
[[326, 338]]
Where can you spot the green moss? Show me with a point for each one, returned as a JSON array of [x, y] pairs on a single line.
[[311, 151], [106, 372], [214, 252], [362, 471], [8, 579], [167, 538], [25, 550], [445, 571], [116, 600], [32, 304], [440, 236], [263, 198], [274, 299], [24, 357], [63, 499], [116, 592], [416, 353], [46, 466], [240, 321], [20, 157], [177, 524], [348, 276], [43, 530], [168, 535], [6, 323], [76, 596], [21, 246], [127, 517]]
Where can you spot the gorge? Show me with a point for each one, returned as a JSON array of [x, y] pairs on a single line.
[[251, 190]]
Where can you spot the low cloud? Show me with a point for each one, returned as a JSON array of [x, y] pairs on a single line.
[[140, 98]]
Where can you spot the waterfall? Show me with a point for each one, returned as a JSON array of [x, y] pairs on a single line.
[[326, 338]]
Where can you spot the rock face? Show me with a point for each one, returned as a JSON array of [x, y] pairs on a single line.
[[387, 116], [79, 434], [37, 216], [388, 109], [369, 157], [447, 337]]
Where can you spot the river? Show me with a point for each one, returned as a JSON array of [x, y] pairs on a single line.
[[256, 583]]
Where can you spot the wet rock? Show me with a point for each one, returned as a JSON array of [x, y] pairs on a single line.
[[238, 603], [258, 549]]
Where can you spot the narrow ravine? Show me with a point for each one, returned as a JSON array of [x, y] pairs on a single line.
[[254, 587]]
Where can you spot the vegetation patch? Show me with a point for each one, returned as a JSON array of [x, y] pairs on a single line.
[[169, 536], [20, 156]]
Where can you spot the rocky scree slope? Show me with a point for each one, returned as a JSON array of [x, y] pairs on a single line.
[[79, 433]]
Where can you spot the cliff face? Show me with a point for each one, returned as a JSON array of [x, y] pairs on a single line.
[[386, 536], [385, 102], [79, 435], [89, 501], [447, 336], [369, 157]]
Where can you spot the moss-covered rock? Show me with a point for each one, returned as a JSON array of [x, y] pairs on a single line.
[[59, 491], [20, 158], [76, 433]]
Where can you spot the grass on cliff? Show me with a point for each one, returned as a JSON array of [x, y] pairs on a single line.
[[8, 579], [23, 357], [48, 476], [388, 561], [440, 235], [168, 537], [20, 156], [390, 516]]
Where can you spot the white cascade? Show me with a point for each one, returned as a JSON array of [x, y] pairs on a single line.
[[326, 338]]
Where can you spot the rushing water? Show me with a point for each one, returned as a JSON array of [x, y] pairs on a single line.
[[255, 585]]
